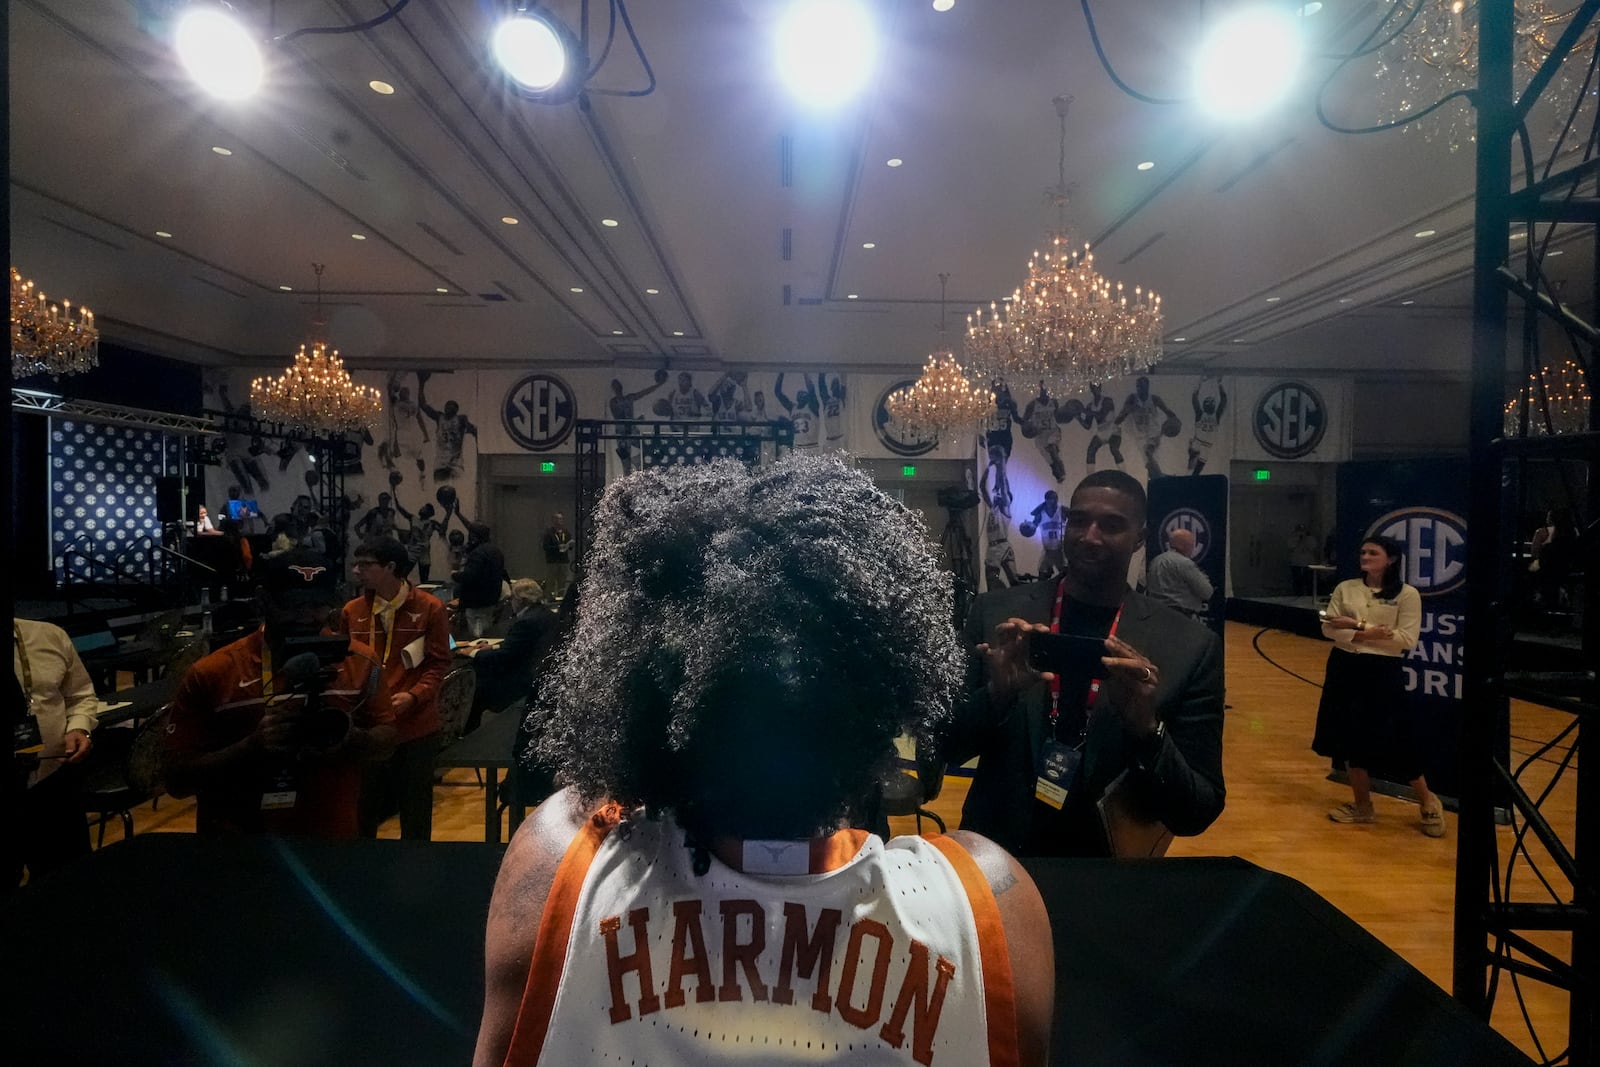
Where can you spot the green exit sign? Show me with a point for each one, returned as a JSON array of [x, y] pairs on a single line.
[[908, 471], [1263, 474], [547, 467]]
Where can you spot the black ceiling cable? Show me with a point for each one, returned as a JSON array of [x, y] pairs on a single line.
[[619, 9], [390, 11], [1105, 62]]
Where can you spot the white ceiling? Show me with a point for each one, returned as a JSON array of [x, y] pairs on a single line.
[[109, 143]]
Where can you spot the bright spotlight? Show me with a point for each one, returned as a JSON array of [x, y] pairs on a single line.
[[219, 52], [825, 50], [530, 51], [1247, 62]]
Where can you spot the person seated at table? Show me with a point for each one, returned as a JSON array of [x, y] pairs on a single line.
[[202, 522], [53, 711], [505, 672], [748, 648], [245, 739], [408, 630]]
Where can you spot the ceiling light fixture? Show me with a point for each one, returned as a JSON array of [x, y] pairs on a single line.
[[869, 244], [1555, 252], [163, 233], [358, 237], [825, 50], [531, 50], [49, 338], [1273, 299], [652, 292], [219, 51], [1177, 339], [1425, 233], [1556, 400], [509, 220], [1066, 327], [616, 333], [286, 288], [943, 5], [575, 289], [897, 161], [219, 150], [382, 88], [1407, 303], [677, 333], [610, 223], [315, 395], [1345, 299], [851, 296], [547, 62], [441, 289], [1147, 165], [1247, 62], [944, 399]]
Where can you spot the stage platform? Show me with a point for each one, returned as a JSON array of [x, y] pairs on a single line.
[[173, 948], [1296, 614]]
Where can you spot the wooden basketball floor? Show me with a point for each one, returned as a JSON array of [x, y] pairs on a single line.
[[1387, 876]]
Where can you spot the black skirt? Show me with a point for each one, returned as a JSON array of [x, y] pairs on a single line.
[[1364, 720]]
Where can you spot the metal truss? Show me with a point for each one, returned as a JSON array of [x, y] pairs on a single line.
[[1498, 935], [34, 402]]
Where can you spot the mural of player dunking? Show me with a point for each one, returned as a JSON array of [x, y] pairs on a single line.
[[1140, 411], [805, 413], [408, 431], [1209, 404], [451, 428], [832, 409], [621, 405], [418, 537], [999, 557]]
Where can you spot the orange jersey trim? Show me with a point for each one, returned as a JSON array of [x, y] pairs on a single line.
[[999, 986], [550, 945]]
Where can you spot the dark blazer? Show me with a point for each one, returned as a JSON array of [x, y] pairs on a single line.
[[478, 584], [1181, 786], [505, 673]]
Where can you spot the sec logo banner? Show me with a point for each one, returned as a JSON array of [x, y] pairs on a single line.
[[1289, 420], [1191, 520], [896, 436], [539, 412], [1435, 543]]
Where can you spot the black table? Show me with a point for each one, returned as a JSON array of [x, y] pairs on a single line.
[[143, 701], [488, 748], [273, 952]]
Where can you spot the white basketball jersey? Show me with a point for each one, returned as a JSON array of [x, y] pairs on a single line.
[[876, 960]]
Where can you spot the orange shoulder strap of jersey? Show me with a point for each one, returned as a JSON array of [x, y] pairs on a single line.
[[550, 946], [999, 986]]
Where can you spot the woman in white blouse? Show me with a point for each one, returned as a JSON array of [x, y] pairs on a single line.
[[1361, 723]]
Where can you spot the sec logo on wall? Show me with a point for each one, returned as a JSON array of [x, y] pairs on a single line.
[[1435, 544], [1289, 420], [1191, 520], [896, 437], [539, 412]]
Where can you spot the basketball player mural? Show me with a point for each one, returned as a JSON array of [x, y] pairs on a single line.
[[999, 557], [1041, 425], [621, 407], [450, 432], [1210, 401], [730, 398], [805, 413], [241, 454], [1049, 520], [419, 536], [1098, 416], [1139, 411], [684, 402], [832, 410], [408, 432], [379, 521]]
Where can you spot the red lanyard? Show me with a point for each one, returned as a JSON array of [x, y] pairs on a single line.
[[1055, 685]]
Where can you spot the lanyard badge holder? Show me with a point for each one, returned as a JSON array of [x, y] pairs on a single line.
[[1060, 764]]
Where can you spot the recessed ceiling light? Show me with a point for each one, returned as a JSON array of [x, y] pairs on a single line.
[[609, 222], [1180, 339], [1345, 299], [851, 296], [219, 150], [1425, 233], [869, 244], [1556, 252], [163, 233], [382, 88], [943, 5], [509, 220], [1407, 303], [575, 289], [896, 161], [677, 333], [1307, 10], [1273, 299], [616, 333], [1238, 340], [441, 289], [358, 236], [652, 292], [287, 288], [1147, 164]]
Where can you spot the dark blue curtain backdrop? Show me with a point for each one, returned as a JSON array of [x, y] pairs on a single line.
[[1422, 503], [1198, 503]]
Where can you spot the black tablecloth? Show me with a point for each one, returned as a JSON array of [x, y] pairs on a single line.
[[177, 949]]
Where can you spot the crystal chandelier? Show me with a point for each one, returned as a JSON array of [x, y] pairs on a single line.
[[1067, 326], [48, 338], [1435, 53], [1561, 391], [315, 395], [943, 399]]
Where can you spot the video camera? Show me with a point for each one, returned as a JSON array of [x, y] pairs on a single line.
[[309, 663]]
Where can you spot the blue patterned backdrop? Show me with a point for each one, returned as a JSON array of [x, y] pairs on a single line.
[[103, 483]]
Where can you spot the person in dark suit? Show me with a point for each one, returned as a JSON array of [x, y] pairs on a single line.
[[505, 674], [1148, 713]]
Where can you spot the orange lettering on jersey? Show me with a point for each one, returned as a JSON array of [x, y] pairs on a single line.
[[915, 999], [638, 961], [735, 954], [866, 1015], [805, 956], [686, 935]]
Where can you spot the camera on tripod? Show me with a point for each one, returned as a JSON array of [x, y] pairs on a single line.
[[309, 665]]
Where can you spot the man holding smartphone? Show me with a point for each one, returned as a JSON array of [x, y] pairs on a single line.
[[1083, 754]]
